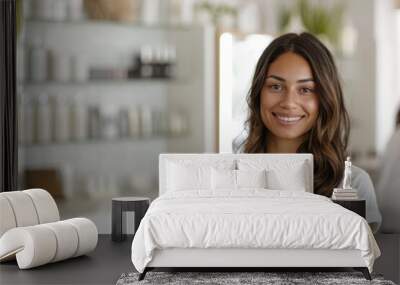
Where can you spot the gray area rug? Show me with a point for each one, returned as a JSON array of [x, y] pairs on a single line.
[[273, 278]]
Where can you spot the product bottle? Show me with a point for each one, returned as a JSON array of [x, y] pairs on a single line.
[[146, 121], [43, 121], [61, 118], [37, 62], [134, 122], [78, 118], [27, 126]]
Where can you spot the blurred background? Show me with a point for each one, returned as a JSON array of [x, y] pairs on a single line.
[[104, 86]]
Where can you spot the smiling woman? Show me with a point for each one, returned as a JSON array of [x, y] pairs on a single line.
[[296, 105], [289, 103]]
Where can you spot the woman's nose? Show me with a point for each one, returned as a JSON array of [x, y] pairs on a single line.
[[289, 99]]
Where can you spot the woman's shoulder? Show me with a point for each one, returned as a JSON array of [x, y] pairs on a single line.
[[360, 177], [358, 171]]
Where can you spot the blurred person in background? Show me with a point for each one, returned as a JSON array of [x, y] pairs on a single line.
[[388, 187]]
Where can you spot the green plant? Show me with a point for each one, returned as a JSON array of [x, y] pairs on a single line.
[[284, 19], [216, 10], [320, 21]]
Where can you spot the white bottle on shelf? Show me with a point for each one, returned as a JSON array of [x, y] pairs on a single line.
[[151, 12], [61, 127], [147, 61], [75, 10], [43, 121], [134, 122], [78, 118], [177, 124], [37, 62], [43, 9], [146, 121], [59, 10], [123, 123], [79, 68], [93, 122], [109, 121], [60, 69], [28, 120], [68, 180]]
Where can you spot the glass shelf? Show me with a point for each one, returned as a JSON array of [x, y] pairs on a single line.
[[97, 82], [136, 24], [143, 139]]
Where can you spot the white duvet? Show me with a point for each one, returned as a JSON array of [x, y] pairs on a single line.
[[252, 218]]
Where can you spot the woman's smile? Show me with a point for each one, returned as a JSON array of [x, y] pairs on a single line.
[[288, 119]]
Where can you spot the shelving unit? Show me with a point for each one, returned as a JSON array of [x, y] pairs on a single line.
[[192, 91]]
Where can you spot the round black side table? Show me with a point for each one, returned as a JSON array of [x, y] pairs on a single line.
[[139, 205]]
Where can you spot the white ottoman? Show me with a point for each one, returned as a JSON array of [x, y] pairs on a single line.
[[31, 232]]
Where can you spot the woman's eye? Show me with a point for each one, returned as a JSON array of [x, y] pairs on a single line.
[[306, 90], [275, 87]]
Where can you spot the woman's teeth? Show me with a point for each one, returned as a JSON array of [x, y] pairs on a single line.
[[289, 119]]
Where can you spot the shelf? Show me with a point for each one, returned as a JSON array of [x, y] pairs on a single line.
[[136, 24], [115, 141], [105, 83], [101, 82]]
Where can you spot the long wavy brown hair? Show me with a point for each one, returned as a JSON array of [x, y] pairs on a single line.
[[327, 140]]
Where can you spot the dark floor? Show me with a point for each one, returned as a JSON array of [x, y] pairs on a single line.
[[110, 259], [102, 266]]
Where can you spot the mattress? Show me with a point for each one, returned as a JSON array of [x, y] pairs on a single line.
[[250, 219]]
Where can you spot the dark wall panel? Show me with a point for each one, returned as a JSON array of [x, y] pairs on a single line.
[[8, 98]]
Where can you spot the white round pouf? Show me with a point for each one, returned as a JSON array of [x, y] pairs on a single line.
[[6, 215], [45, 205], [87, 233], [23, 208], [31, 233], [67, 240], [33, 246]]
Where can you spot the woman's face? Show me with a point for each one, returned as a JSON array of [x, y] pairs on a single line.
[[289, 103]]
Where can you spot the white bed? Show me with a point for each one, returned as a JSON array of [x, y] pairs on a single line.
[[207, 226]]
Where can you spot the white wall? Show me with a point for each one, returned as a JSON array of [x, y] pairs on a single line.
[[387, 76], [359, 88], [194, 91]]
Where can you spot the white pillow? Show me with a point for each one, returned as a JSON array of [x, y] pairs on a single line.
[[223, 179], [251, 179], [293, 179], [282, 174], [188, 177]]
